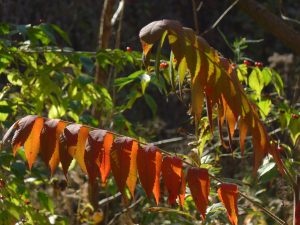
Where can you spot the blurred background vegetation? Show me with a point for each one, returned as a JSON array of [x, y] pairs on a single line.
[[50, 55]]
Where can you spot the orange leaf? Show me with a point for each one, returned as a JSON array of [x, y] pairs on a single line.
[[228, 194], [259, 141], [198, 181], [171, 169], [103, 161], [23, 128], [149, 166], [243, 128], [32, 143], [182, 190], [75, 136], [97, 155], [80, 147], [123, 163], [28, 130], [49, 149]]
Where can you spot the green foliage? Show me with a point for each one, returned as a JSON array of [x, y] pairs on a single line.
[[38, 77]]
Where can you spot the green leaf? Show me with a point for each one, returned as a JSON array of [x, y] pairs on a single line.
[[63, 34], [56, 111], [267, 75], [267, 171], [265, 108], [277, 82], [46, 202], [87, 63], [158, 51], [14, 79], [123, 81], [242, 72], [145, 79], [151, 103], [294, 128], [85, 79], [256, 81]]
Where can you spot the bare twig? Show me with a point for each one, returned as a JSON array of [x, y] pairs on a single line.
[[269, 213], [285, 17], [221, 17], [195, 16], [109, 199], [125, 210], [167, 141], [119, 14]]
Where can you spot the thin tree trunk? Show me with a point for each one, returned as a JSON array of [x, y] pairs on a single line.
[[105, 31], [101, 77]]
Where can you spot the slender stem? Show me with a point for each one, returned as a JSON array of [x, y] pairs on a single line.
[[269, 213], [196, 23]]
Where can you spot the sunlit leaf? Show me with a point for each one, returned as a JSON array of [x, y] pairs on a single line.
[[49, 149], [123, 163], [149, 160], [199, 184], [228, 194], [97, 155], [171, 169]]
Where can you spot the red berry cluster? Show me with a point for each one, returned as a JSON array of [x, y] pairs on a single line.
[[163, 65], [280, 149], [295, 116], [2, 183], [259, 64], [128, 49], [249, 63]]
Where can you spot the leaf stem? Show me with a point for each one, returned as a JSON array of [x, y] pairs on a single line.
[[266, 211]]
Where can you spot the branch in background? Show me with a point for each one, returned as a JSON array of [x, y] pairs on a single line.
[[119, 15], [272, 23], [285, 17], [125, 210], [109, 199], [221, 17], [195, 15]]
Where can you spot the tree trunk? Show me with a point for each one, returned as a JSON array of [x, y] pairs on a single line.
[[272, 23]]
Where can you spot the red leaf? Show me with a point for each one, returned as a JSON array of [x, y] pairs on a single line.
[[228, 194], [10, 132], [75, 136], [259, 141], [68, 144], [171, 169], [49, 149], [23, 128], [123, 163], [198, 181], [276, 156], [149, 166], [97, 155]]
